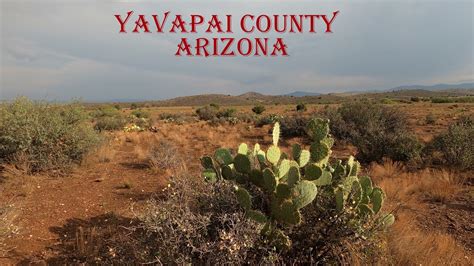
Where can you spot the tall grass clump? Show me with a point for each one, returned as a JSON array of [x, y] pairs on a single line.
[[377, 131], [41, 136]]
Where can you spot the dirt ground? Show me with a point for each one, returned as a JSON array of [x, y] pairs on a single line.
[[105, 192]]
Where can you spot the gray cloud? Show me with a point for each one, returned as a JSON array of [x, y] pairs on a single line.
[[65, 49]]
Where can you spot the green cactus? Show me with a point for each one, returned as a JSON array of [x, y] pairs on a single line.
[[289, 184], [242, 164], [304, 193], [269, 180], [273, 154]]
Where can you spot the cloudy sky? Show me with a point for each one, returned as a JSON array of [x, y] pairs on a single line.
[[59, 50]]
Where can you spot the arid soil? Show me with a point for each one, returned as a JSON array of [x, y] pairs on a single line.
[[434, 207]]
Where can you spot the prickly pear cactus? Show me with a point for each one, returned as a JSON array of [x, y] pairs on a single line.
[[289, 184]]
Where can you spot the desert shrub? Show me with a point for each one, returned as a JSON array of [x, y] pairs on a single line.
[[139, 113], [207, 112], [457, 144], [110, 123], [377, 131], [201, 224], [387, 101], [247, 117], [430, 119], [268, 120], [293, 126], [415, 99], [134, 106], [168, 116], [464, 99], [105, 111], [258, 109], [229, 112], [215, 105], [301, 107], [108, 118], [141, 122], [164, 156], [44, 136], [309, 210]]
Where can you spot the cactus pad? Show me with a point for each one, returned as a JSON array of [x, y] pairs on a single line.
[[283, 191], [319, 151], [276, 133], [242, 164], [318, 129], [209, 175], [377, 199], [296, 151], [313, 172], [223, 156], [227, 172], [273, 154], [304, 158], [243, 149], [269, 180], [257, 216], [207, 162], [324, 180], [294, 176], [283, 168], [244, 198], [304, 193]]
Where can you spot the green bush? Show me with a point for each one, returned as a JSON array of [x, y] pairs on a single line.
[[464, 99], [139, 113], [44, 136], [377, 131], [301, 107], [457, 144], [108, 118], [104, 111], [268, 120], [229, 112], [110, 123], [207, 112], [293, 126], [258, 109]]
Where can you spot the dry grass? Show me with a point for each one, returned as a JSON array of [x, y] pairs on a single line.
[[103, 154], [409, 245], [427, 184], [408, 193]]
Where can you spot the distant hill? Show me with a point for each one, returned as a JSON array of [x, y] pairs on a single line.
[[302, 94], [437, 87]]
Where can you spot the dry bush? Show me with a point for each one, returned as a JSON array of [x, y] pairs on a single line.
[[164, 156], [198, 227]]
